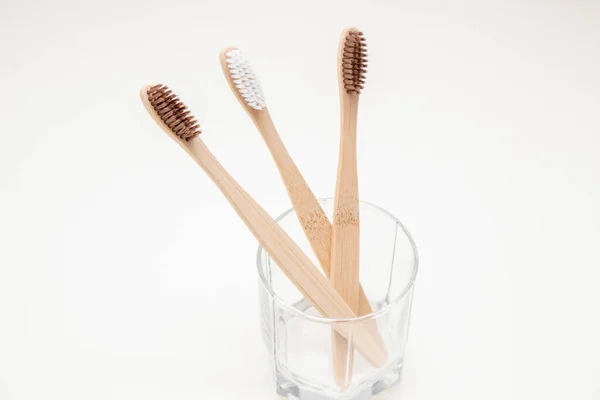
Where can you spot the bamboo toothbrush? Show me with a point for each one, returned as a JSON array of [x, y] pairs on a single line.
[[176, 120], [247, 89], [352, 61], [317, 228]]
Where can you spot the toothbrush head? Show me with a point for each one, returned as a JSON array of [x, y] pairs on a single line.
[[353, 61], [169, 112], [242, 78]]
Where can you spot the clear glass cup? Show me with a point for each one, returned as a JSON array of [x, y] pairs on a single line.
[[299, 340]]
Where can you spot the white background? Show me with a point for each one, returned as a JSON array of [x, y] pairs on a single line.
[[124, 274]]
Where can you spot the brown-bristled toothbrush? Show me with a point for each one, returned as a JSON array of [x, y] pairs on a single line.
[[345, 245], [169, 112]]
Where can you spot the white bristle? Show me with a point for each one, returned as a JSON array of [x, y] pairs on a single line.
[[245, 80]]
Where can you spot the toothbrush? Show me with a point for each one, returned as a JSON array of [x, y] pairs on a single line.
[[345, 245], [317, 228], [247, 89], [169, 112]]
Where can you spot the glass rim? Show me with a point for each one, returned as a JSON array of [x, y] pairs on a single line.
[[317, 318]]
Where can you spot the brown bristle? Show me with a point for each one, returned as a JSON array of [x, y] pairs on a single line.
[[173, 112], [354, 62]]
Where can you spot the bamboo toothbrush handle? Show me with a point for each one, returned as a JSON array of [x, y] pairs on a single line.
[[345, 229], [345, 236], [288, 256], [313, 219]]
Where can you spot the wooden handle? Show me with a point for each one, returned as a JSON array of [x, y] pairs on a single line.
[[288, 256], [345, 229], [313, 219], [345, 234]]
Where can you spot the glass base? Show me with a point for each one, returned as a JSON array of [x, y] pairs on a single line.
[[290, 390]]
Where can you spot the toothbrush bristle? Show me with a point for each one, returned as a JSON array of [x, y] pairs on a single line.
[[245, 79], [354, 61], [175, 115]]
